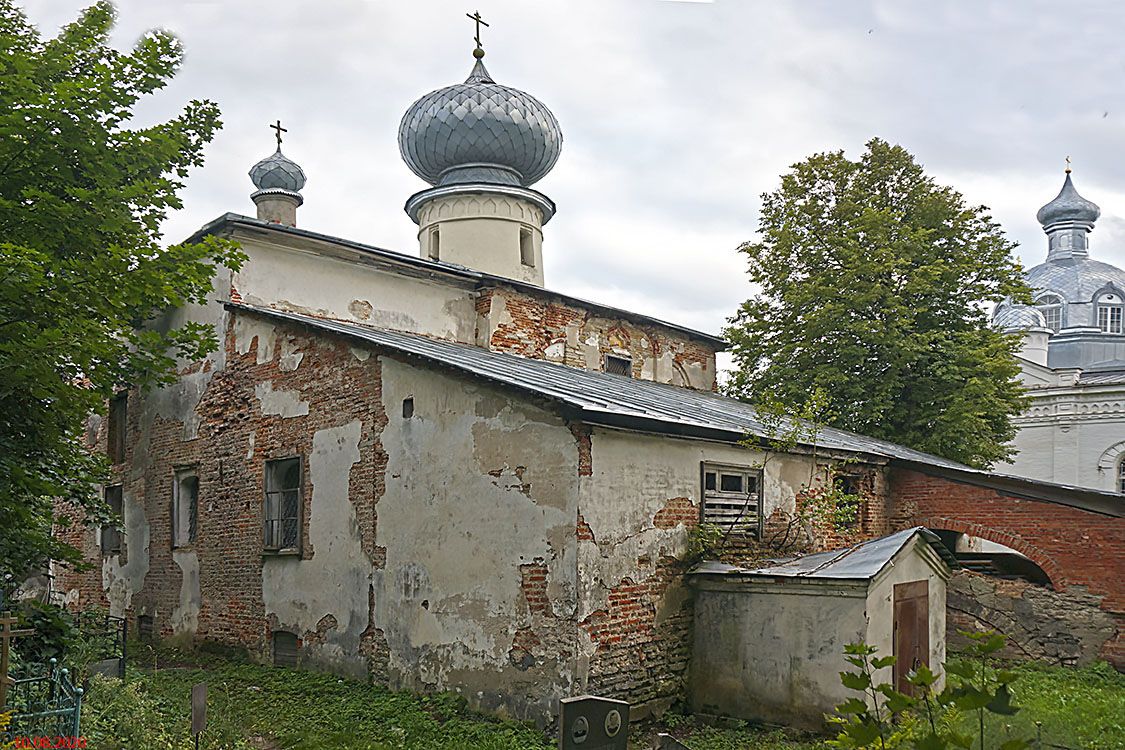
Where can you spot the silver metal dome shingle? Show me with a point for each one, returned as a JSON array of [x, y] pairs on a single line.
[[479, 131], [1013, 317], [1075, 281], [278, 172], [1068, 205]]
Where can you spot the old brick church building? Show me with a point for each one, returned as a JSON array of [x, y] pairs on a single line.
[[434, 471]]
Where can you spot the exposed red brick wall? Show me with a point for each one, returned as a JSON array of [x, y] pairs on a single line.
[[526, 325], [581, 434], [1073, 546], [338, 388], [643, 637], [533, 584], [679, 511]]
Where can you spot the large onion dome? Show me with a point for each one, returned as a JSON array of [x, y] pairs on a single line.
[[1068, 205], [479, 132]]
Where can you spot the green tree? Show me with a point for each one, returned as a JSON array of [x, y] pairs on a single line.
[[83, 191], [874, 286]]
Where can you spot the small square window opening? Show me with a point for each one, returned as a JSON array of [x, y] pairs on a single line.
[[407, 408], [619, 365]]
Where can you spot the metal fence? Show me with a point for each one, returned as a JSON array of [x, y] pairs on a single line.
[[45, 705], [107, 640]]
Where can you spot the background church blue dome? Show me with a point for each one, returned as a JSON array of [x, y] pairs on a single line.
[[1068, 205], [479, 131]]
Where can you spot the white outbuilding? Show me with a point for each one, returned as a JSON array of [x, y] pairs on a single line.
[[769, 641]]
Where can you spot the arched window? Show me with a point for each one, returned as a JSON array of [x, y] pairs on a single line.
[[1111, 309], [1121, 476], [1051, 307]]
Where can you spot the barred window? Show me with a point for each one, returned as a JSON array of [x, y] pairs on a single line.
[[616, 365], [282, 529], [1121, 477], [185, 507], [111, 532], [731, 498]]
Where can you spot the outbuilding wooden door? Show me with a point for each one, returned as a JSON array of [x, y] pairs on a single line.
[[911, 630]]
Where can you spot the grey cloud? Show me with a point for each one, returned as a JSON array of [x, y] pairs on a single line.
[[676, 116]]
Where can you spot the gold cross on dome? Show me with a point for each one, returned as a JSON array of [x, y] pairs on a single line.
[[279, 130], [475, 16], [1068, 165]]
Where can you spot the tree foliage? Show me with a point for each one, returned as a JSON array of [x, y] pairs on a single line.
[[874, 286], [82, 194]]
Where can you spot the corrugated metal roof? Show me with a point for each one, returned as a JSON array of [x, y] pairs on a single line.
[[605, 398], [620, 401], [1102, 377], [860, 562]]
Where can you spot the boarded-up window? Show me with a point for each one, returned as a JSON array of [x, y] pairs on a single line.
[[282, 531], [731, 498], [116, 428], [111, 532], [619, 365], [284, 649], [185, 507]]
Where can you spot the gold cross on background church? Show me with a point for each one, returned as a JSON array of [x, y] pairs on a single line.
[[475, 16], [6, 636], [279, 130]]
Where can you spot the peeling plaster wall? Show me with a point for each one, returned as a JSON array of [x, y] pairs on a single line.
[[123, 575], [773, 651], [479, 591], [566, 333], [637, 507], [313, 283], [300, 595]]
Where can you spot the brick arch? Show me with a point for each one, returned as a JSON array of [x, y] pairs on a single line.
[[1019, 544]]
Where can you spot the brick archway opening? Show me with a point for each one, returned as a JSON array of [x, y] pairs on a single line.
[[1024, 561]]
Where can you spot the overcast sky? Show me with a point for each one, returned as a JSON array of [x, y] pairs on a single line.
[[676, 116]]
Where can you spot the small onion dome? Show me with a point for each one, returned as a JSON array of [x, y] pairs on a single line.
[[1012, 317], [278, 172], [479, 131], [1068, 206]]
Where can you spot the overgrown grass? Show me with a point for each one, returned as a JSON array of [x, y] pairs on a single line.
[[255, 707], [1076, 708]]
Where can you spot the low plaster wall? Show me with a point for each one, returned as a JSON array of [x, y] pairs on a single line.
[[773, 652]]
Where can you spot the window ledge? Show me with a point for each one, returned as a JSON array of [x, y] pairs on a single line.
[[281, 553]]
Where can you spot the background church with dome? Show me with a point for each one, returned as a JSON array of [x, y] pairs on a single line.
[[430, 470], [1073, 355]]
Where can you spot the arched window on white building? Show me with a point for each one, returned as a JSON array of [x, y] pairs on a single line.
[[1111, 309], [1121, 475], [1051, 307]]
